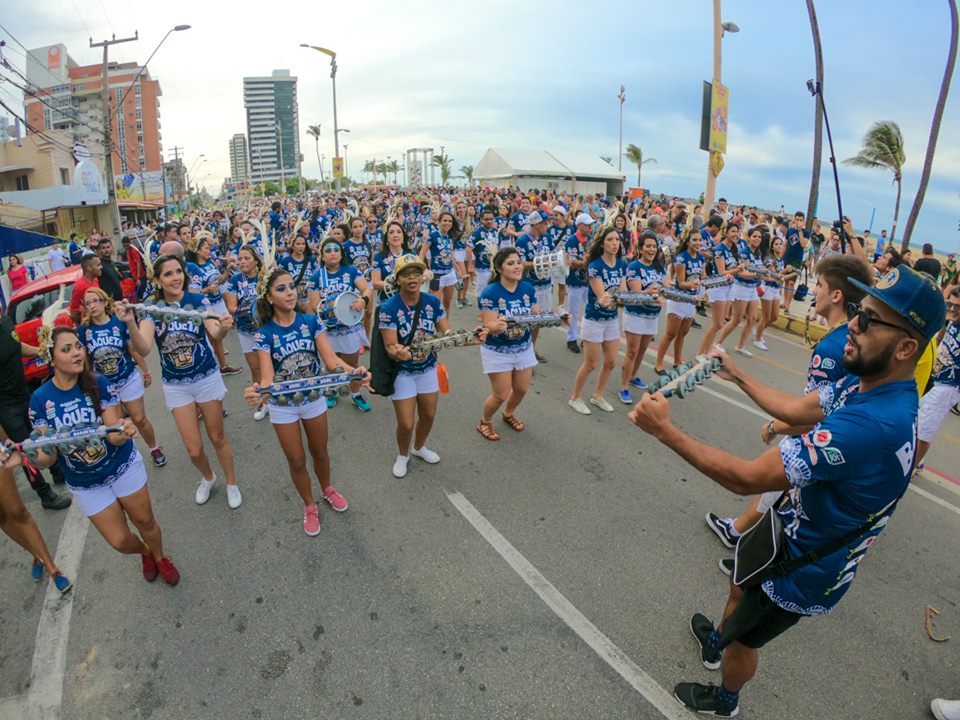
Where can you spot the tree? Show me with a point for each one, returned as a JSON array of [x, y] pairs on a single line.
[[934, 128], [293, 186], [443, 162], [817, 117], [370, 166], [394, 167], [883, 150], [270, 188], [635, 155], [467, 171], [314, 132], [382, 168]]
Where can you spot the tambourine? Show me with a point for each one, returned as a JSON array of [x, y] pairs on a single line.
[[550, 263], [342, 310]]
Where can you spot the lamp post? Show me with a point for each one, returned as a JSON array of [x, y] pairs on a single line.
[[345, 174], [283, 186], [333, 77], [816, 89], [621, 97], [719, 29]]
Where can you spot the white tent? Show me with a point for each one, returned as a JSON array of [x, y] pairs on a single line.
[[570, 172]]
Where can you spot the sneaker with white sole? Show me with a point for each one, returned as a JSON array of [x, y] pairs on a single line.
[[234, 498], [625, 397], [744, 352], [760, 344], [337, 501], [723, 527], [726, 566], [203, 490], [426, 454], [580, 406], [718, 347], [601, 402], [400, 466], [945, 709], [261, 412], [311, 520]]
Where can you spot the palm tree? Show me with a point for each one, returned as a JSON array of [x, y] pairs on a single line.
[[314, 132], [370, 166], [394, 167], [383, 169], [817, 118], [443, 162], [883, 150], [467, 171], [635, 155], [934, 128]]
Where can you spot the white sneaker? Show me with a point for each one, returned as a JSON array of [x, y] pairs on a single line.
[[744, 352], [760, 344], [427, 455], [601, 402], [234, 498], [580, 406], [204, 488], [945, 709], [261, 412], [400, 466], [718, 346]]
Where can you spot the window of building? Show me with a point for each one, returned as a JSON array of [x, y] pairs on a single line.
[[22, 183], [64, 176], [79, 87], [139, 114], [136, 88], [139, 126]]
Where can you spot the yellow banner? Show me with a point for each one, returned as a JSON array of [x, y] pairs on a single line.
[[338, 167], [719, 101]]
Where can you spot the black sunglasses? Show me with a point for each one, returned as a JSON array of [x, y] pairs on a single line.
[[865, 319]]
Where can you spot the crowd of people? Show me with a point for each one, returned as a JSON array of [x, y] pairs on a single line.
[[313, 284]]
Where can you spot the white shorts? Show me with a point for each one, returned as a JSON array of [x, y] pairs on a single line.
[[94, 500], [132, 389], [286, 414], [448, 279], [640, 324], [205, 390], [219, 307], [771, 293], [720, 294], [745, 293], [681, 309], [349, 342], [483, 279], [246, 342], [599, 331], [497, 362], [934, 407], [561, 280], [408, 385], [544, 297], [460, 255]]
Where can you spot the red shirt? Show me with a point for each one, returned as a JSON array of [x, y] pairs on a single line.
[[81, 286], [18, 277], [135, 261]]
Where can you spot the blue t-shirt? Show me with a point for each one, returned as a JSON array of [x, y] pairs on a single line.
[[108, 348], [557, 236], [375, 238], [441, 253], [385, 264], [777, 265], [530, 247], [610, 277], [202, 276], [793, 255], [647, 275], [293, 349], [747, 257], [497, 298], [245, 289], [276, 220], [185, 353], [359, 254], [395, 315], [576, 250], [518, 221], [826, 363], [692, 264], [302, 269], [945, 368], [61, 410], [330, 284], [722, 252], [850, 469], [478, 241]]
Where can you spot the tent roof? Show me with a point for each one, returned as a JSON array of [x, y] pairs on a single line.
[[507, 162]]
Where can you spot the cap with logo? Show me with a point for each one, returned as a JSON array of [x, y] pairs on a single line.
[[405, 262], [913, 296]]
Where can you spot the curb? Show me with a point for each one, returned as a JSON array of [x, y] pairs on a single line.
[[812, 333]]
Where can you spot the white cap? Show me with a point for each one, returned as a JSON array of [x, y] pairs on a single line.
[[560, 209], [585, 219]]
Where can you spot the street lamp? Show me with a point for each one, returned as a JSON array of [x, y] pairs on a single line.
[[177, 28], [621, 97], [719, 30], [333, 77], [345, 146], [816, 89]]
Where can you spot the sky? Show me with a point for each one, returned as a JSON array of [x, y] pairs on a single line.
[[465, 77]]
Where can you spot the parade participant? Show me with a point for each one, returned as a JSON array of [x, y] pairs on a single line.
[[324, 287], [502, 221], [108, 482], [190, 378], [507, 353], [440, 246], [576, 248], [687, 269], [291, 345], [770, 300], [606, 271], [518, 221], [299, 262], [395, 244], [797, 240], [108, 342], [358, 252], [945, 392], [745, 298], [726, 258], [239, 295], [557, 235], [481, 241], [373, 233], [405, 316], [91, 267], [530, 244], [645, 274], [461, 234], [207, 279]]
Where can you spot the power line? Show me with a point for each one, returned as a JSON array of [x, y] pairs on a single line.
[[89, 34], [36, 131], [30, 54]]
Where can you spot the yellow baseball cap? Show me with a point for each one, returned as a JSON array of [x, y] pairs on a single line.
[[405, 262]]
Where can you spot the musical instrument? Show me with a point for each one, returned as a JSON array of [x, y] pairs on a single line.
[[390, 287], [168, 312], [79, 437], [310, 387], [763, 271], [551, 263], [423, 346], [682, 380], [717, 281], [533, 320], [632, 298], [343, 310], [679, 295]]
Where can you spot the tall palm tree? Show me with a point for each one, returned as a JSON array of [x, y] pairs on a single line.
[[394, 167], [467, 171], [370, 166], [443, 162], [314, 132], [883, 150], [934, 128], [635, 155], [383, 169], [817, 118]]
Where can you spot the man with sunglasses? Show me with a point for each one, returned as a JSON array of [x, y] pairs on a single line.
[[844, 476]]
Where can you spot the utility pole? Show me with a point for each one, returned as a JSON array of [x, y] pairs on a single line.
[[283, 186], [177, 177], [108, 130], [621, 97]]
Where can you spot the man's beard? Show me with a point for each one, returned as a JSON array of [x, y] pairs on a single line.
[[868, 367]]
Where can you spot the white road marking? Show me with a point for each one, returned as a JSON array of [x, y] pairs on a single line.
[[933, 498], [573, 618]]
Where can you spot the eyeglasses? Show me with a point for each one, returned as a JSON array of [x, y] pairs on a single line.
[[953, 306], [865, 319], [92, 302]]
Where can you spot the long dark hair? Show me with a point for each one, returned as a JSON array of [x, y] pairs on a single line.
[[385, 246], [659, 263], [263, 310], [344, 258], [454, 233], [86, 379], [499, 259], [194, 255], [158, 264], [307, 252], [596, 249], [689, 235]]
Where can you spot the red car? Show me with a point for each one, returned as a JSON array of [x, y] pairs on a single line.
[[27, 305]]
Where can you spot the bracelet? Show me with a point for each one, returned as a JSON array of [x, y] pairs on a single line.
[[145, 373], [366, 300], [770, 431]]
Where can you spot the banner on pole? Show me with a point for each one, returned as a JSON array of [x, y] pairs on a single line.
[[719, 101], [338, 167]]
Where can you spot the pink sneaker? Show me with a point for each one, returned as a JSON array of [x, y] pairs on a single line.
[[337, 501], [311, 520]]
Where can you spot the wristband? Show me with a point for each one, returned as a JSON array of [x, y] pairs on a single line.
[[770, 431], [366, 300]]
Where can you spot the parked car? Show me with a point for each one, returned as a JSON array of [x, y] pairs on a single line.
[[27, 305]]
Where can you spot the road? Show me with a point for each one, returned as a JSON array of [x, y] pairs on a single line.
[[550, 575]]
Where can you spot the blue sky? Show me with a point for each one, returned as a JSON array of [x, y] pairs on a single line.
[[466, 77]]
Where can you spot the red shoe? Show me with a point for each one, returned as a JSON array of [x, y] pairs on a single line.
[[149, 568], [169, 572]]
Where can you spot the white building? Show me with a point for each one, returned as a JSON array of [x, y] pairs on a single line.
[[239, 157], [582, 173], [273, 125]]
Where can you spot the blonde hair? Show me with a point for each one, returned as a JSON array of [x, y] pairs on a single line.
[[107, 303]]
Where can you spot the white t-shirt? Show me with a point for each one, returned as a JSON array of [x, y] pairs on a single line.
[[57, 258]]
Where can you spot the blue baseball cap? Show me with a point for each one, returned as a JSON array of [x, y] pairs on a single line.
[[913, 296]]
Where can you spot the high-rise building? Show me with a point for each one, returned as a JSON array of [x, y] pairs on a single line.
[[66, 96], [273, 125], [239, 158]]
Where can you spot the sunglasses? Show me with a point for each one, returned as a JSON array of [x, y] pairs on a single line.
[[865, 319]]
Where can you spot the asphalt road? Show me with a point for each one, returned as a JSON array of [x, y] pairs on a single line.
[[400, 608]]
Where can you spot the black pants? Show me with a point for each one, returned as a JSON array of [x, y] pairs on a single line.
[[16, 424]]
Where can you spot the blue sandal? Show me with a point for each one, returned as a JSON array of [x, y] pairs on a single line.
[[62, 583], [36, 572]]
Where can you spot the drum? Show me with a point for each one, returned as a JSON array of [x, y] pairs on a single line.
[[342, 311]]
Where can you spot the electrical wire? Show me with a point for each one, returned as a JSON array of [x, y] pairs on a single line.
[[37, 131], [30, 54]]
